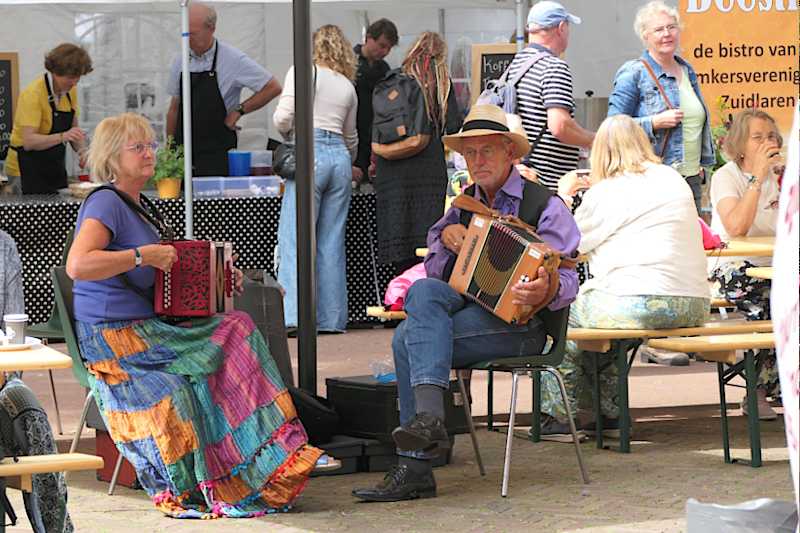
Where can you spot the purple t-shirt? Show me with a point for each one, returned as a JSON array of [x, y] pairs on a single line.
[[110, 299]]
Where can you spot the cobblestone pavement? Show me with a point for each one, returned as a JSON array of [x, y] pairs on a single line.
[[676, 455]]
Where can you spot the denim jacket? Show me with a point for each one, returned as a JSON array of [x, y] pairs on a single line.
[[635, 94]]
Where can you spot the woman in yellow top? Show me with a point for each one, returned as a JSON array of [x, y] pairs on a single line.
[[46, 120]]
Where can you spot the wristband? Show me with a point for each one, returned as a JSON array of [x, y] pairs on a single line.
[[137, 257]]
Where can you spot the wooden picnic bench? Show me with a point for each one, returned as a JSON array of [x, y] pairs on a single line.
[[622, 345], [722, 350]]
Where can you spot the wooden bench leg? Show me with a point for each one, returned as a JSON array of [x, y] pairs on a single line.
[[751, 380], [623, 368], [723, 412], [490, 401], [536, 423], [598, 414]]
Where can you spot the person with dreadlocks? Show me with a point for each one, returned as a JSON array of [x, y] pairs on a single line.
[[411, 192]]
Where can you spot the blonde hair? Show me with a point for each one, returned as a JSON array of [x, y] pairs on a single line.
[[739, 131], [109, 139], [646, 14], [334, 51], [620, 146], [426, 62]]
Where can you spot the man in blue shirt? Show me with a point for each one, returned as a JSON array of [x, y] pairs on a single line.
[[219, 72]]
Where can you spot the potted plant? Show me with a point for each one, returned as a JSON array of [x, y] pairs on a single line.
[[169, 170]]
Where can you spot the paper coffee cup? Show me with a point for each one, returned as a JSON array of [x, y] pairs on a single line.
[[15, 327]]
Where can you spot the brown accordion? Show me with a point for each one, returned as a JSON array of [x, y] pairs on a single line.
[[497, 253], [200, 283]]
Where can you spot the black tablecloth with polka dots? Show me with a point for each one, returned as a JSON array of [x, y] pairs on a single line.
[[40, 224]]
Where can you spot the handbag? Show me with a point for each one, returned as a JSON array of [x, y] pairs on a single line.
[[666, 101], [284, 158]]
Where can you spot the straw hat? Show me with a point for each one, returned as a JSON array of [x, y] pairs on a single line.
[[486, 119]]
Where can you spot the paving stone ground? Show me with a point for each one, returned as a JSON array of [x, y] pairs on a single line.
[[676, 455]]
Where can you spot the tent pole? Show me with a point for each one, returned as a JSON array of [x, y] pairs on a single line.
[[186, 88], [304, 181]]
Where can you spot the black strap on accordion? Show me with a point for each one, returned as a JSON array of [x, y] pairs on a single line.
[[150, 213], [534, 201]]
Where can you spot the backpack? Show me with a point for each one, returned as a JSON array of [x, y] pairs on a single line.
[[502, 92], [400, 127], [24, 430]]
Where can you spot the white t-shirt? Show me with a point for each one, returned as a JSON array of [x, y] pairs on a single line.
[[642, 236], [730, 182], [335, 106]]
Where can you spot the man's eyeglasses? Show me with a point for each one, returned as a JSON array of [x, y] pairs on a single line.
[[139, 148], [663, 30]]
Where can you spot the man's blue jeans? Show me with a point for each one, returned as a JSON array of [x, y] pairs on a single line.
[[332, 188], [445, 330]]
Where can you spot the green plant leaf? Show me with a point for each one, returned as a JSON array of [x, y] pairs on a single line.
[[169, 161]]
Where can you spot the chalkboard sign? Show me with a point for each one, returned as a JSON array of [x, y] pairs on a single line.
[[9, 87], [489, 61]]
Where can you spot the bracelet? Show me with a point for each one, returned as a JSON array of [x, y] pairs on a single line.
[[754, 186], [62, 137]]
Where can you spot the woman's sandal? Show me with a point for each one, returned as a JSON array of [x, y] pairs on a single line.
[[326, 463]]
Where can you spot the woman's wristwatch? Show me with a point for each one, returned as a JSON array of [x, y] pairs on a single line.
[[137, 257], [753, 183]]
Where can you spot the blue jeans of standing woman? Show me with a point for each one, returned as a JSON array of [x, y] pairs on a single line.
[[332, 188]]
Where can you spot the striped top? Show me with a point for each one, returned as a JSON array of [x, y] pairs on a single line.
[[547, 84]]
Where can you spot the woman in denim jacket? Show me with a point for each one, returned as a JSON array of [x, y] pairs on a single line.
[[680, 133]]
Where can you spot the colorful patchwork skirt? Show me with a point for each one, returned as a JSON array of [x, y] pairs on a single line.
[[201, 413]]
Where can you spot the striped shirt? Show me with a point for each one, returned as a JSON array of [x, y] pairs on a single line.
[[547, 84]]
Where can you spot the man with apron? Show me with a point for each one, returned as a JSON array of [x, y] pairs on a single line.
[[44, 171], [218, 74]]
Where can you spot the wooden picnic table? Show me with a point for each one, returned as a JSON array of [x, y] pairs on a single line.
[[759, 272], [746, 247], [40, 357]]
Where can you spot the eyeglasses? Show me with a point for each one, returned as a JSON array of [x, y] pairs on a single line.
[[663, 30], [139, 148], [758, 138]]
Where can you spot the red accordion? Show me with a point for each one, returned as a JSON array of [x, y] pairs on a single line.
[[200, 283]]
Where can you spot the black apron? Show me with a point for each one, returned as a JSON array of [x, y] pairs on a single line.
[[44, 171], [211, 138]]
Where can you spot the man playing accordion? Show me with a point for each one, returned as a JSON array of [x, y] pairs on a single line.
[[444, 329]]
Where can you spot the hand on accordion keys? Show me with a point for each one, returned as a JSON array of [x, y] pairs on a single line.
[[531, 292], [453, 237], [160, 256]]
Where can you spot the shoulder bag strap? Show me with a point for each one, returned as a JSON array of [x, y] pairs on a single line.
[[666, 101]]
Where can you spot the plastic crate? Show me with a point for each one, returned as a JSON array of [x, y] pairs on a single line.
[[237, 187]]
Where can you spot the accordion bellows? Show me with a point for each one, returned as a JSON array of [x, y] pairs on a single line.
[[496, 254], [200, 283]]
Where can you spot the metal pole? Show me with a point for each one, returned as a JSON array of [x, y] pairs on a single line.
[[304, 178], [186, 88], [520, 25]]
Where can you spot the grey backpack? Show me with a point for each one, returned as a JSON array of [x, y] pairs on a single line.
[[502, 92]]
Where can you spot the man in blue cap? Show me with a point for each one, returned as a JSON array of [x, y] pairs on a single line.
[[544, 95]]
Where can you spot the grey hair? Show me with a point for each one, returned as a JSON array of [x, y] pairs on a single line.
[[646, 14], [211, 14]]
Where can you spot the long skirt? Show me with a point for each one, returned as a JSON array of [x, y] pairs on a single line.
[[201, 413]]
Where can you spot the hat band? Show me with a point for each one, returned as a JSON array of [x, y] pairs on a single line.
[[483, 125]]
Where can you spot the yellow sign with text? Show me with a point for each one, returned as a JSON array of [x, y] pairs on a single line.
[[745, 53]]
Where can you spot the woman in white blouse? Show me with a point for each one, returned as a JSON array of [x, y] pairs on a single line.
[[640, 232], [335, 144], [744, 202]]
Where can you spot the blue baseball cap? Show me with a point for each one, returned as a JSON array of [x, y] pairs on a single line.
[[546, 14]]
